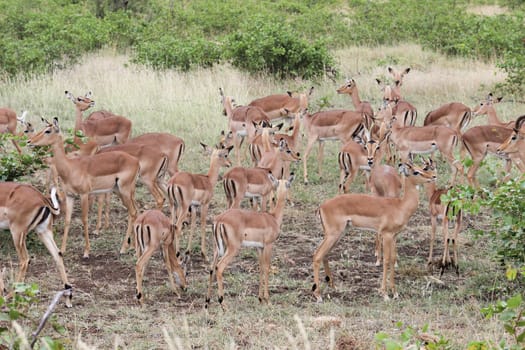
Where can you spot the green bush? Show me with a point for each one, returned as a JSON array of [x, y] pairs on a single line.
[[266, 45], [14, 165]]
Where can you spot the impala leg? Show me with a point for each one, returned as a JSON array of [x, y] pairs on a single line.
[[221, 266], [459, 219], [204, 216], [266, 258], [19, 240], [508, 166], [213, 268], [193, 223], [168, 263], [446, 241], [128, 200], [140, 268], [378, 248], [321, 255], [320, 157], [84, 205], [388, 264], [175, 269], [433, 223], [67, 221], [307, 151], [471, 174], [100, 207]]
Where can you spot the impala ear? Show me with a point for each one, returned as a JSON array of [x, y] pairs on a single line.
[[221, 92], [390, 70], [88, 94], [70, 96], [289, 93], [55, 123], [290, 180], [406, 71], [273, 180]]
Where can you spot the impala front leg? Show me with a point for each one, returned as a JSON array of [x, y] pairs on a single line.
[[204, 215], [84, 206], [70, 201]]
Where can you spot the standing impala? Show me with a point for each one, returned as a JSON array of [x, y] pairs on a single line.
[[100, 173], [333, 125], [187, 192], [514, 145], [282, 105], [487, 108], [350, 88], [241, 120], [427, 139], [154, 231], [8, 122], [386, 216], [455, 115], [237, 228], [22, 209], [104, 131]]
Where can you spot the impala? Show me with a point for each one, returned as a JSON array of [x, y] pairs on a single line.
[[405, 112], [104, 131], [427, 139], [341, 125], [22, 209], [237, 228], [8, 123], [100, 173], [241, 121], [487, 107], [439, 210], [482, 140], [350, 88], [154, 231], [386, 216], [515, 144], [282, 105], [455, 115], [187, 192], [152, 162], [254, 183], [398, 75], [256, 146], [170, 145]]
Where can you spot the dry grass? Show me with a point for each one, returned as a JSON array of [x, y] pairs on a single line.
[[105, 313]]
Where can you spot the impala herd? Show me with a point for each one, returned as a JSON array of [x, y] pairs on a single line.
[[379, 144]]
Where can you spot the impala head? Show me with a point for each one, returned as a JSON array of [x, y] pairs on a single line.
[[82, 103], [388, 93], [281, 186], [219, 154], [287, 154], [398, 75], [180, 274], [47, 136], [512, 144], [485, 106], [422, 174], [347, 87]]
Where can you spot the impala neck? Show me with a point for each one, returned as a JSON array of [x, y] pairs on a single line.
[[213, 172], [430, 188], [278, 210], [59, 153], [355, 97], [227, 105], [78, 124], [492, 117], [410, 198]]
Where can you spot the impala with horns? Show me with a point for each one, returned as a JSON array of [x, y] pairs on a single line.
[[487, 108], [386, 216], [104, 131], [410, 140], [241, 120], [100, 173], [455, 115], [188, 192], [237, 228], [282, 105], [515, 143], [481, 140], [350, 88], [334, 125], [8, 123], [23, 209], [154, 231]]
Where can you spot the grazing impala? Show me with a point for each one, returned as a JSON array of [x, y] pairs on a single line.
[[455, 115], [22, 209], [487, 108], [241, 120], [104, 131], [154, 231], [99, 173], [427, 139], [187, 192], [282, 105], [8, 122], [237, 228], [340, 124], [386, 216], [350, 88]]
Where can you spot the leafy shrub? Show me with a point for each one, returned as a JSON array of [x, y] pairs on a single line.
[[14, 165], [266, 45]]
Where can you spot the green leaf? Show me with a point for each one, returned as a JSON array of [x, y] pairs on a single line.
[[514, 302]]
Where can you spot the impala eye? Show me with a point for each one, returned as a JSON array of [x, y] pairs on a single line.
[[48, 131]]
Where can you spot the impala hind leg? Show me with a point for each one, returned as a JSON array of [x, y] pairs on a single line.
[[321, 255]]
